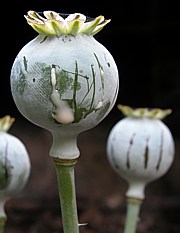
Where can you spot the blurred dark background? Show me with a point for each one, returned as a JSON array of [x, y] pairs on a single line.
[[144, 39]]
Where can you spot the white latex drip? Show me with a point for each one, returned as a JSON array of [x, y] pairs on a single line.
[[63, 113]]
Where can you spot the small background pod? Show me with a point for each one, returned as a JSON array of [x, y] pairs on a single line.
[[140, 149]]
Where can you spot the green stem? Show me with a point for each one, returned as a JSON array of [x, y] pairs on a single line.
[[2, 224], [67, 193], [132, 215]]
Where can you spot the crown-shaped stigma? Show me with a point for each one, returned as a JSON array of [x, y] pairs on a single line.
[[54, 24], [6, 122], [155, 113]]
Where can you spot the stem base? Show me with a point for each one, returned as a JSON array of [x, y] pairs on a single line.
[[67, 194]]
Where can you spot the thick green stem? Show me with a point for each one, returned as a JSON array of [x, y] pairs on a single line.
[[67, 193], [132, 216], [2, 224]]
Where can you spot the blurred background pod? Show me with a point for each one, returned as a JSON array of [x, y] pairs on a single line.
[[140, 147], [14, 163], [64, 80]]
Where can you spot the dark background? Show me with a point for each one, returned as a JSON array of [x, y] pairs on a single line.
[[144, 39]]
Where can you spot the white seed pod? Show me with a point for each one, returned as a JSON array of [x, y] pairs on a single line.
[[140, 147], [64, 80], [14, 163]]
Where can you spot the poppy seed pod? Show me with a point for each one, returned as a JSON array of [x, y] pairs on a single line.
[[140, 147], [64, 80], [14, 163]]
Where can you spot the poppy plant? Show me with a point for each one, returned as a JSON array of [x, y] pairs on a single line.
[[140, 148], [14, 166], [67, 82]]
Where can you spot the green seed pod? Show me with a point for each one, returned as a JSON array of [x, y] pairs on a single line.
[[140, 147], [64, 80], [14, 163]]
